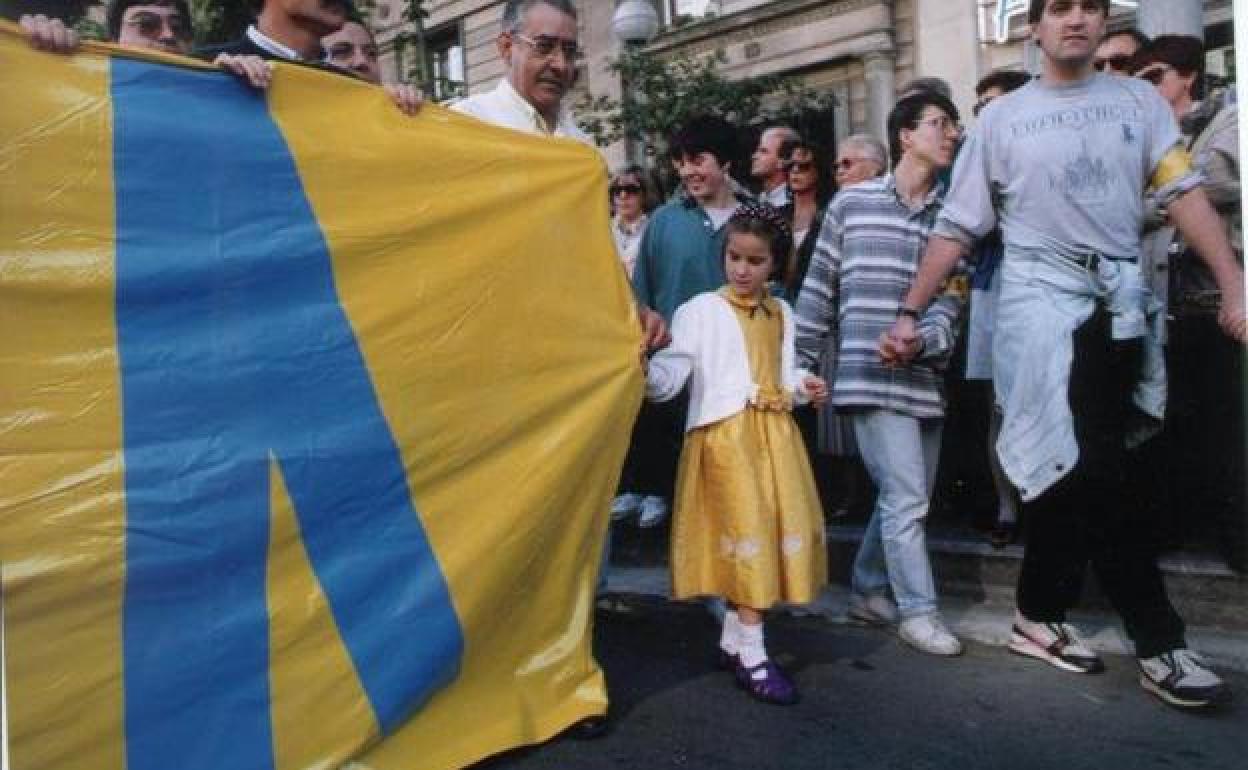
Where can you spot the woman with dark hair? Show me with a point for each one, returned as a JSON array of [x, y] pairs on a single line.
[[1205, 416], [807, 172]]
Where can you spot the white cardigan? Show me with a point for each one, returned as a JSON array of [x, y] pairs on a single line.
[[708, 344]]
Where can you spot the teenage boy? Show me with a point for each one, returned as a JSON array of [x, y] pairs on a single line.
[[866, 256]]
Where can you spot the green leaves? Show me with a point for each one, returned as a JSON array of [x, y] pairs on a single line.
[[661, 93]]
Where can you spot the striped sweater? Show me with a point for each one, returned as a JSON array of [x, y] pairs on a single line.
[[864, 262]]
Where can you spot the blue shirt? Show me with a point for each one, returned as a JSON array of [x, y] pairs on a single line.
[[681, 256]]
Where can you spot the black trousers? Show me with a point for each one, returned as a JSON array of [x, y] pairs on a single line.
[[654, 450], [1089, 518]]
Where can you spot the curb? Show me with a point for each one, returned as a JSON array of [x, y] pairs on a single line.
[[984, 621]]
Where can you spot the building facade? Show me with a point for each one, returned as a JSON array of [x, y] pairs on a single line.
[[858, 51]]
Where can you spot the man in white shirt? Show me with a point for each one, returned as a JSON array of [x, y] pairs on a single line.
[[538, 46], [768, 167]]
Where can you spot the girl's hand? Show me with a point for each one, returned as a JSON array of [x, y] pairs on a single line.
[[816, 388]]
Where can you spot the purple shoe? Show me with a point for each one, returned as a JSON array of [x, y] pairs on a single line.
[[772, 687]]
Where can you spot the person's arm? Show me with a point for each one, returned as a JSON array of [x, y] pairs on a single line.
[[903, 342], [642, 280], [1202, 229], [669, 369], [1219, 160], [938, 327], [654, 333], [967, 214], [817, 301]]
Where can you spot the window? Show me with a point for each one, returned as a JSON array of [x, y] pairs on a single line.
[[684, 10], [446, 63]]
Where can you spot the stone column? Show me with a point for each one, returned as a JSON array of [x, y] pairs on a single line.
[[1172, 17], [881, 77]]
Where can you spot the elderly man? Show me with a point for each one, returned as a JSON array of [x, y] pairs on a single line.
[[859, 157], [768, 166], [1062, 164], [538, 46]]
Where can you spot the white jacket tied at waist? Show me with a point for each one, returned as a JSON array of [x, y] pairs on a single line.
[[708, 344], [1044, 298]]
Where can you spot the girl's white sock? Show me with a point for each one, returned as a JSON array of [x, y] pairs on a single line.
[[730, 635], [750, 645]]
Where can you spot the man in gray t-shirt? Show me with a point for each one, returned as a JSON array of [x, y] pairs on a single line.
[[1061, 166]]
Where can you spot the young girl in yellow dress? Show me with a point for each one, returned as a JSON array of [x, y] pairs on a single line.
[[748, 525]]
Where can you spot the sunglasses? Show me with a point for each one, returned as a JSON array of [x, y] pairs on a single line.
[[631, 189], [150, 25], [1117, 63], [1153, 75], [800, 166]]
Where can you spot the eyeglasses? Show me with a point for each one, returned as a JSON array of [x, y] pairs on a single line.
[[631, 189], [150, 25], [1155, 74], [345, 51], [847, 163], [545, 46], [1119, 62], [942, 123]]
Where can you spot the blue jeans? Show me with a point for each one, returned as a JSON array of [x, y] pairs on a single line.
[[900, 453]]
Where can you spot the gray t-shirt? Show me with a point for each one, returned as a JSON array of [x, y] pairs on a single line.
[[1062, 167]]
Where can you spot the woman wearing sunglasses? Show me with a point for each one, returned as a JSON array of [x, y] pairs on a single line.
[[1205, 415]]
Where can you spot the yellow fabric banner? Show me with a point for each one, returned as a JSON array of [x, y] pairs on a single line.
[[310, 414]]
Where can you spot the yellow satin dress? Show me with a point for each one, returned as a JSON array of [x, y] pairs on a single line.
[[748, 525]]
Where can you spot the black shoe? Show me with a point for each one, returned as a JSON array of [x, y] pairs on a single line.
[[589, 728]]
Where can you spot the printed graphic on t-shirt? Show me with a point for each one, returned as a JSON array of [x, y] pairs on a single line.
[[1084, 178]]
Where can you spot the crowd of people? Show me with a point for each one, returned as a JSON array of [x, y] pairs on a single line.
[[1082, 207], [1085, 217]]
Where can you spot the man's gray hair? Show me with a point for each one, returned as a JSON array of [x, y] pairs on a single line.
[[515, 11], [871, 148]]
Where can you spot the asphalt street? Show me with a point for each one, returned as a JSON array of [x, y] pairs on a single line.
[[870, 702]]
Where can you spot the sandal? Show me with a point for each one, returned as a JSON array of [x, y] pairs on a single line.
[[772, 687]]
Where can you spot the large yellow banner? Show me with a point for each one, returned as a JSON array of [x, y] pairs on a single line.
[[309, 417]]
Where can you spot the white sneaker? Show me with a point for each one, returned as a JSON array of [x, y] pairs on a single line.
[[873, 610], [624, 505], [653, 511], [1183, 679], [1055, 643], [927, 633]]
